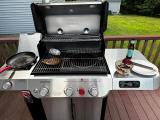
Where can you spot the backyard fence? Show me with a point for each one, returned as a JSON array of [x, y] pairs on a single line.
[[148, 45]]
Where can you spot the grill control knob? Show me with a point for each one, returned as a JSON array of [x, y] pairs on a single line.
[[68, 92], [43, 92], [93, 91], [7, 85]]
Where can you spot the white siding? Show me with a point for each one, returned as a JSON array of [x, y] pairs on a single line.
[[15, 16], [114, 7]]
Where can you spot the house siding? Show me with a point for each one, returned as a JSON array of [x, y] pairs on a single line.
[[16, 17], [114, 7]]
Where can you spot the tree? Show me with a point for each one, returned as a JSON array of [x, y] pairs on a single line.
[[150, 7], [130, 6], [141, 7]]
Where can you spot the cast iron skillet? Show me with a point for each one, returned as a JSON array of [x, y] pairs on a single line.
[[19, 61]]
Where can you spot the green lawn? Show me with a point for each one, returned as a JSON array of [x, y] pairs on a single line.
[[133, 25]]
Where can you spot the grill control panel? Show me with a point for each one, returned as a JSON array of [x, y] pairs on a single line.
[[129, 84], [74, 87], [62, 86], [81, 91]]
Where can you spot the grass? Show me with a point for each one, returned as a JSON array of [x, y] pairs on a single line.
[[132, 25]]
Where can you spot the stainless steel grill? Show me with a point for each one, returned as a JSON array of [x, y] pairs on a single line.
[[76, 30]]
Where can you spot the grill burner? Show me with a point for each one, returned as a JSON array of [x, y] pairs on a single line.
[[74, 65]]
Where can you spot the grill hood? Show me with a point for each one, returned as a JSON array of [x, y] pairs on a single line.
[[70, 17]]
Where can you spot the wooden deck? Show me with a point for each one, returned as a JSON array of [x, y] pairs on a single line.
[[122, 105], [134, 105], [13, 107]]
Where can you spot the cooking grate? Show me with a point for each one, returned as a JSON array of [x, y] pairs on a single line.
[[73, 66], [84, 50]]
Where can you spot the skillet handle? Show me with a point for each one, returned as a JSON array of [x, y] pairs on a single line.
[[2, 69]]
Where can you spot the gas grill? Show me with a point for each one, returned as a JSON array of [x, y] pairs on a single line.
[[77, 87], [76, 30], [79, 38]]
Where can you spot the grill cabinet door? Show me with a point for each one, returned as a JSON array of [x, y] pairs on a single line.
[[57, 108], [87, 108]]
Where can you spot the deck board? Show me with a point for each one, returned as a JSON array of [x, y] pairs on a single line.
[[137, 106], [122, 105], [128, 105], [13, 107], [152, 103], [146, 107], [155, 97], [112, 108]]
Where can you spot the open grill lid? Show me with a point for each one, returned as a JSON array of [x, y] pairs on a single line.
[[70, 18]]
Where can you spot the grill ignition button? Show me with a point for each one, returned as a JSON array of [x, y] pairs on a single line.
[[81, 91]]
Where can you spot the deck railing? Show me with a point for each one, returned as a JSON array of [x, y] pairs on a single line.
[[148, 45], [8, 47]]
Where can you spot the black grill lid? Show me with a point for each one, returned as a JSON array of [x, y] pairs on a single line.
[[70, 18]]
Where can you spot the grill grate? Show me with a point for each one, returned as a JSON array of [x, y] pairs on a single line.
[[84, 50], [73, 66]]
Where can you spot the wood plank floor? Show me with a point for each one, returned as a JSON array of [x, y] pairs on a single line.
[[13, 107], [122, 105], [133, 105]]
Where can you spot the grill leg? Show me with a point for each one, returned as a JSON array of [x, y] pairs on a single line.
[[104, 104]]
